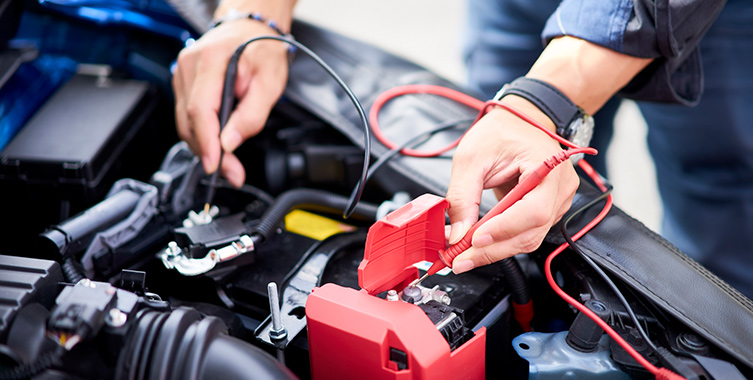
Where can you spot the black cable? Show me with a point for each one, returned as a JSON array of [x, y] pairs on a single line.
[[228, 97], [598, 269], [310, 198], [245, 188], [42, 363], [414, 142]]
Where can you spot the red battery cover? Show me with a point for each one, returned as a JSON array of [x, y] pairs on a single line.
[[353, 334]]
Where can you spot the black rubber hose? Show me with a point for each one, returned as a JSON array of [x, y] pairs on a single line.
[[184, 345], [516, 280], [27, 371], [71, 272], [309, 199]]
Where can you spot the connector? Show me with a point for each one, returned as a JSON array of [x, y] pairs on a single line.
[[80, 311]]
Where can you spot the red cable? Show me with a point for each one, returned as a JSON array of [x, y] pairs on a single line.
[[659, 373], [417, 89], [451, 94]]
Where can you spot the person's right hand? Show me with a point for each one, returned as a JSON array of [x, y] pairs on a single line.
[[198, 81]]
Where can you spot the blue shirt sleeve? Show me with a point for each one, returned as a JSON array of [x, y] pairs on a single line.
[[598, 21], [667, 31]]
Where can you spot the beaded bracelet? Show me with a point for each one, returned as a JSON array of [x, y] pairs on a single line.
[[234, 14]]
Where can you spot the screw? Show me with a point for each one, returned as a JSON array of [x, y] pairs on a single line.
[[115, 318], [277, 332]]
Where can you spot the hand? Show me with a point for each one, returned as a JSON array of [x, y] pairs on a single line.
[[198, 81], [496, 153]]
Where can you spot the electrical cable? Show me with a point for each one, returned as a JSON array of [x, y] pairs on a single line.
[[228, 98], [451, 94], [598, 269], [382, 99], [445, 92], [245, 188], [412, 143], [659, 373]]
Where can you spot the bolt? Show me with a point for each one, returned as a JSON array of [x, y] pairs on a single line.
[[173, 249], [445, 299], [392, 295], [115, 318], [277, 332], [412, 295]]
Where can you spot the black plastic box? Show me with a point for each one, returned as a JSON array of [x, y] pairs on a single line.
[[69, 154], [74, 139]]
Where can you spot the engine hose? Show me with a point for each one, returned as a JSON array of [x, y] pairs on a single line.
[[71, 272], [515, 279], [184, 345], [519, 292], [310, 199], [27, 371]]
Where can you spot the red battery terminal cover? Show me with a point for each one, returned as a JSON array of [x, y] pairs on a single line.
[[412, 233], [354, 334]]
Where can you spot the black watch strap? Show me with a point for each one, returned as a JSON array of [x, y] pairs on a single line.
[[551, 101]]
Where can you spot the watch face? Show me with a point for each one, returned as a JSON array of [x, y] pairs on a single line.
[[582, 129]]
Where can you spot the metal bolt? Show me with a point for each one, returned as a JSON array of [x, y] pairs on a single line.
[[412, 294], [173, 249], [392, 295], [115, 318], [277, 332]]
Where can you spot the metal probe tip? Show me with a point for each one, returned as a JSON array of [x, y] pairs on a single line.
[[418, 281]]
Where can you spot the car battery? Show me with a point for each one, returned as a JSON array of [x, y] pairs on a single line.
[[67, 155]]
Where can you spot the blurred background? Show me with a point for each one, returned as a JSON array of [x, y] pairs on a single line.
[[430, 33]]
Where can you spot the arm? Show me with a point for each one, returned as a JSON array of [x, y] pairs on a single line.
[[262, 74], [500, 149]]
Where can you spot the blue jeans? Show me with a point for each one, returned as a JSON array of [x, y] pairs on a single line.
[[703, 154]]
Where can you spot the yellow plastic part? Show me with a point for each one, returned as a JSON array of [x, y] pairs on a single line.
[[314, 226]]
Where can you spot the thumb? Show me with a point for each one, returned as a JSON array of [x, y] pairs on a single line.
[[464, 196]]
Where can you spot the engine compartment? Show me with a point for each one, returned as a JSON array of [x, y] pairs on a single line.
[[113, 268]]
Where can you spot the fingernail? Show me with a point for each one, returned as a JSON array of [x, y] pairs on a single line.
[[457, 232], [208, 165], [459, 267], [231, 140], [482, 241]]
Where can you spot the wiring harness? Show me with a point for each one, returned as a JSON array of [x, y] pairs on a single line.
[[518, 192]]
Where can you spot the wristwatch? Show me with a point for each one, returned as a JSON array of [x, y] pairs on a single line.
[[571, 121]]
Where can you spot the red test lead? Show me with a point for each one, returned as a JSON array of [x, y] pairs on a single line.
[[530, 182]]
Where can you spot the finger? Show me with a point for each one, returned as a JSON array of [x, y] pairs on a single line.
[[250, 115], [536, 209], [202, 109], [464, 196], [232, 170]]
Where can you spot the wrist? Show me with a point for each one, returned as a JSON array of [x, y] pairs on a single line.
[[586, 73], [280, 11], [529, 109]]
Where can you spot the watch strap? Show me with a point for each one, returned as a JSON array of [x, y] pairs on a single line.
[[551, 101]]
